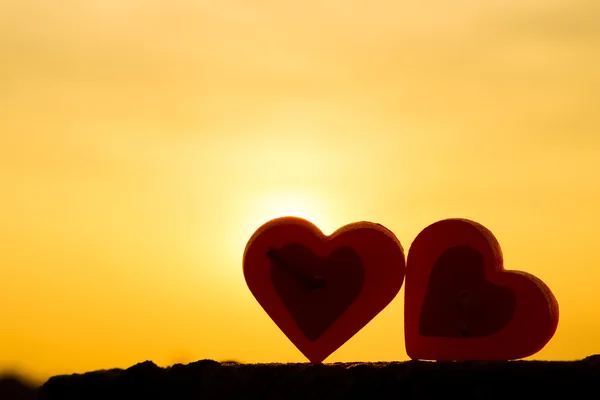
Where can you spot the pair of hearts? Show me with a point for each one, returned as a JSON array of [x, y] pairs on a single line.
[[460, 303]]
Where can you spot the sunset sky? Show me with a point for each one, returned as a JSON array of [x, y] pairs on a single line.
[[143, 142]]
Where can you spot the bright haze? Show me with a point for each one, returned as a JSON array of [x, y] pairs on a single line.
[[143, 142]]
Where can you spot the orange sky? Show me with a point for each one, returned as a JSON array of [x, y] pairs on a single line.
[[143, 142]]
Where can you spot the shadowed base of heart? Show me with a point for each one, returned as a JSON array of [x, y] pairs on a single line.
[[209, 379]]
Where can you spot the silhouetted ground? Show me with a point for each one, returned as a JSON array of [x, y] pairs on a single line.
[[14, 388], [209, 379]]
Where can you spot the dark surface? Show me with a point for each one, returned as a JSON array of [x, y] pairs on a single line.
[[403, 380], [14, 388]]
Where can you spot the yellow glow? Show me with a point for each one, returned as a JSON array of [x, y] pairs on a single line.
[[273, 205], [142, 143]]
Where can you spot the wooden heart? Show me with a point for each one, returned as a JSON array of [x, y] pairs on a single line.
[[460, 303], [321, 290]]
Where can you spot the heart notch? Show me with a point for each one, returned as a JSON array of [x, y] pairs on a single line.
[[321, 290], [460, 303]]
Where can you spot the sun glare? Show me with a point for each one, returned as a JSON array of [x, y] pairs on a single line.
[[288, 204], [269, 205]]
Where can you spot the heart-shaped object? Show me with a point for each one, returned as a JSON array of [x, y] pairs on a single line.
[[460, 303], [321, 290]]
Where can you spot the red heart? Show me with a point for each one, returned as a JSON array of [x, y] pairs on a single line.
[[460, 303], [300, 279], [321, 290]]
